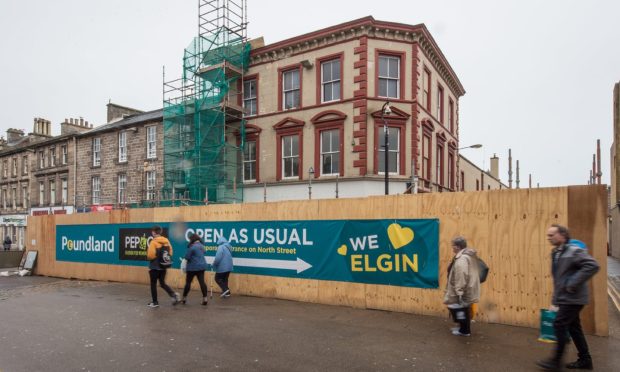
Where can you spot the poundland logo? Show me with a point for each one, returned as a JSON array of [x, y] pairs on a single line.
[[89, 245]]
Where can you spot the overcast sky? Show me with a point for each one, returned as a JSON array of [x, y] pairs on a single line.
[[539, 75]]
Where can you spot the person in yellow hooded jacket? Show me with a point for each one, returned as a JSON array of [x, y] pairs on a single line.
[[156, 271]]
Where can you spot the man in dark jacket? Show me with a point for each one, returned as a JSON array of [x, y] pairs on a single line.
[[571, 268]]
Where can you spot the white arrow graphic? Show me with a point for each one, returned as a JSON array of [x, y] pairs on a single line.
[[299, 264]]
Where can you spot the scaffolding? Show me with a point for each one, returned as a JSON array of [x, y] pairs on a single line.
[[204, 128]]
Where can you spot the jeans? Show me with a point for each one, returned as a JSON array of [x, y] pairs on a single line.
[[189, 277], [160, 275], [567, 322], [222, 280]]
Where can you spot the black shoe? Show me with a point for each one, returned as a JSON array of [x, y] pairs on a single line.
[[581, 364], [549, 365]]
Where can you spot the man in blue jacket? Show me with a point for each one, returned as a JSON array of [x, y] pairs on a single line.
[[223, 265], [571, 268]]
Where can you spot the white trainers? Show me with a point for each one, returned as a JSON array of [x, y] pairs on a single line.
[[153, 304], [176, 299], [226, 293], [458, 333]]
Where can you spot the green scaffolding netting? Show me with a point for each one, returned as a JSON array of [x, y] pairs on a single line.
[[204, 129]]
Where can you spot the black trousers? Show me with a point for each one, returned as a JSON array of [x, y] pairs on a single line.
[[567, 322], [159, 275], [189, 277], [222, 280], [462, 316]]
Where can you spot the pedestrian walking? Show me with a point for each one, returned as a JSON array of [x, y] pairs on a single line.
[[159, 254], [223, 265], [463, 287], [571, 268], [196, 266], [7, 243]]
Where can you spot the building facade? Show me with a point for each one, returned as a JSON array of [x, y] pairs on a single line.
[[614, 213], [121, 162], [316, 112]]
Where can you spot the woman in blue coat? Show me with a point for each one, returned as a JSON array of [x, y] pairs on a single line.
[[196, 266], [223, 265]]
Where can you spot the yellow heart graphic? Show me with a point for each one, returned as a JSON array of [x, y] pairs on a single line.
[[342, 250], [399, 236]]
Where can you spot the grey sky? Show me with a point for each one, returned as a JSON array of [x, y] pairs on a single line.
[[539, 75]]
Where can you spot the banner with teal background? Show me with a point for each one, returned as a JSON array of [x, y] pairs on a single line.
[[394, 252]]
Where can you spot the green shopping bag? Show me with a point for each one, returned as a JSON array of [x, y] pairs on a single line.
[[547, 332]]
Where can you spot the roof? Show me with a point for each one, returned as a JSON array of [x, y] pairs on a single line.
[[127, 121]]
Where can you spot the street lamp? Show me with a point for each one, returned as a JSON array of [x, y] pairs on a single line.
[[385, 109], [310, 175], [476, 146]]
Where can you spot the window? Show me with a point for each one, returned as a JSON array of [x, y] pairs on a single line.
[[330, 80], [25, 165], [64, 156], [440, 103], [4, 198], [330, 152], [291, 89], [41, 160], [426, 157], [14, 197], [439, 166], [41, 193], [5, 169], [65, 194], [462, 181], [151, 142], [250, 101], [96, 152], [451, 115], [122, 147], [290, 156], [52, 192], [393, 151], [426, 95], [122, 186], [249, 161], [25, 196], [477, 185], [451, 170], [389, 76], [52, 159], [14, 167], [150, 185], [96, 190]]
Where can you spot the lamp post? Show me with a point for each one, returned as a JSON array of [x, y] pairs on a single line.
[[476, 146], [310, 175], [385, 109]]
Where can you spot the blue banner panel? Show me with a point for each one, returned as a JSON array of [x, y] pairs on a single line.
[[394, 252]]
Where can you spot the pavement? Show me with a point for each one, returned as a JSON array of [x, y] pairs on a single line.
[[52, 324]]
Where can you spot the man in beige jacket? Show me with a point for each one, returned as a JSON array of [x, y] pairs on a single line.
[[463, 287]]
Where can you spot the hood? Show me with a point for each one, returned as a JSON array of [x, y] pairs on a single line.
[[161, 240], [222, 240], [468, 251]]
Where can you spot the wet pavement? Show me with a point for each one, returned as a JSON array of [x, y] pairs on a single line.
[[53, 324]]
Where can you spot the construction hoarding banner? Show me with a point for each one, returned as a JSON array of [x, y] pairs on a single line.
[[393, 252]]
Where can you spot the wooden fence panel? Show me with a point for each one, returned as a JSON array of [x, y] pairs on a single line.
[[506, 227]]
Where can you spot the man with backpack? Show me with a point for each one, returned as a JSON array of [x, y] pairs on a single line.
[[159, 254], [463, 287], [571, 267]]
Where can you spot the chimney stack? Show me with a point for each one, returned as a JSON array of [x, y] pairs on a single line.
[[495, 166], [75, 126]]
